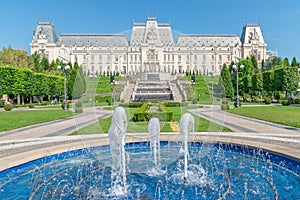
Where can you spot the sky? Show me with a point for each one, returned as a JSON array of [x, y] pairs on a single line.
[[279, 20]]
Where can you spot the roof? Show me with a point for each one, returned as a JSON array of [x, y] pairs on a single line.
[[47, 29], [92, 40], [208, 40]]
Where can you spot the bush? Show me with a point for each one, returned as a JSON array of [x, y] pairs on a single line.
[[296, 101], [225, 107], [31, 105], [78, 110], [240, 104], [122, 101], [78, 104], [286, 102], [175, 104], [62, 106], [2, 101], [8, 107], [267, 100], [132, 104], [224, 101], [194, 101]]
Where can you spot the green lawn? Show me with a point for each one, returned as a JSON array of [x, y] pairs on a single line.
[[203, 86], [201, 125], [286, 115], [19, 118]]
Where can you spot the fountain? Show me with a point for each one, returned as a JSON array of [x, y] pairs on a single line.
[[119, 170], [117, 133], [186, 125]]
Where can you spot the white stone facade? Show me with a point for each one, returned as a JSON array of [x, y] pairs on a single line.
[[150, 48]]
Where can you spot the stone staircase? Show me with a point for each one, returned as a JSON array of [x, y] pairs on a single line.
[[176, 94], [128, 90]]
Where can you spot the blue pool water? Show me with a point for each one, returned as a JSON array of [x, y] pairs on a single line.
[[215, 171]]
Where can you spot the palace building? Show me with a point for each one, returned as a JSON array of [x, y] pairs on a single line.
[[150, 47]]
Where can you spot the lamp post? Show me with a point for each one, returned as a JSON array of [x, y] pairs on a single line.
[[92, 77], [65, 69], [212, 73], [236, 69]]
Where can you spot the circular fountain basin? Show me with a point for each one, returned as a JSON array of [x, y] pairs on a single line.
[[215, 171]]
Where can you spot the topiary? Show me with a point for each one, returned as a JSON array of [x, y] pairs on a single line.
[[78, 110], [286, 102], [8, 107], [194, 101], [225, 107], [267, 101], [78, 104], [31, 105]]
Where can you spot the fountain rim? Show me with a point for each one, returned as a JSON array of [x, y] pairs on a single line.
[[38, 148]]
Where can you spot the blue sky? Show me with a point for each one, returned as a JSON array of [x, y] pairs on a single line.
[[279, 20]]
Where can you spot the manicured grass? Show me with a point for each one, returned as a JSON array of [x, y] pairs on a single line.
[[201, 125], [19, 118], [203, 86], [286, 115]]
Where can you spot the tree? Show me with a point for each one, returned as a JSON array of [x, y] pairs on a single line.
[[45, 66], [286, 62], [257, 82], [254, 64], [17, 58], [225, 83], [294, 62]]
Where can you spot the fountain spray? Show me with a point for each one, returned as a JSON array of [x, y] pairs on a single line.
[[154, 130], [117, 133], [186, 125]]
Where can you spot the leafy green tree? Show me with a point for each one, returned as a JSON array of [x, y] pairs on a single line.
[[294, 63], [257, 82], [225, 83], [45, 66], [254, 64], [17, 58], [286, 62], [290, 80], [247, 82]]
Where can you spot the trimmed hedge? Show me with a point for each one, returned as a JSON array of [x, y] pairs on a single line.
[[175, 104], [286, 102], [132, 104], [142, 113]]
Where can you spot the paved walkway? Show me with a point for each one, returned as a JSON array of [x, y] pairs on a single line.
[[60, 127], [239, 123]]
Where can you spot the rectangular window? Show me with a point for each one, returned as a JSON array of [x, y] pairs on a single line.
[[204, 58], [220, 57], [212, 57], [179, 58], [228, 58]]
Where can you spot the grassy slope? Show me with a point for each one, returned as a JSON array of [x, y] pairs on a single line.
[[287, 115]]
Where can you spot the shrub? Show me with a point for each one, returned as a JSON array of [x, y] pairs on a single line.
[[286, 102], [62, 106], [240, 104], [225, 107], [267, 101], [194, 101], [2, 101], [8, 107], [132, 104], [78, 110], [297, 101], [122, 101], [44, 103], [31, 105], [224, 101], [78, 104], [175, 104]]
